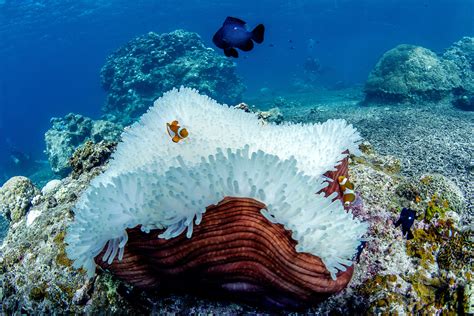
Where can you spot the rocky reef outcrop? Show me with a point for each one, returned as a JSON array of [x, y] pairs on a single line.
[[414, 73], [35, 271], [69, 132], [461, 54], [139, 72], [409, 72], [90, 155], [15, 198]]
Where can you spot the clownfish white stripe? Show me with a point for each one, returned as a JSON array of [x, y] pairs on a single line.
[[348, 191], [343, 181], [170, 132]]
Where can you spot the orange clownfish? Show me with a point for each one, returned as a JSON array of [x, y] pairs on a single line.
[[347, 188], [176, 132]]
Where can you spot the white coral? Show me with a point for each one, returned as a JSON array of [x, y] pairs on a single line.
[[156, 183]]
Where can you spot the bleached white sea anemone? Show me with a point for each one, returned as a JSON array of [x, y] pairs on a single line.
[[154, 182]]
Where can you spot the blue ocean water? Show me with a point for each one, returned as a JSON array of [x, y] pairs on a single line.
[[51, 51]]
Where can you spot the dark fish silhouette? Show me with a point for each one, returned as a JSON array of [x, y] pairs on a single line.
[[233, 34], [407, 218], [359, 250]]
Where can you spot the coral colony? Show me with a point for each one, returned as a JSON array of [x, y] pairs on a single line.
[[160, 184]]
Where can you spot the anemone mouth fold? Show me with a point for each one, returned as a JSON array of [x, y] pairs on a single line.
[[235, 250]]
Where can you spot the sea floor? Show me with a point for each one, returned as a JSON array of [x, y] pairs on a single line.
[[426, 137]]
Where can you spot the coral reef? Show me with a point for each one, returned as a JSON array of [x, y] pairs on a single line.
[[51, 187], [38, 277], [69, 132], [431, 139], [427, 274], [409, 72], [90, 155], [461, 54], [432, 195], [273, 115], [15, 198], [413, 73], [144, 68]]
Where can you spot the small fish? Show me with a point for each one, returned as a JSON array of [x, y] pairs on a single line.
[[234, 34], [407, 218], [359, 250], [176, 132], [347, 188], [417, 199]]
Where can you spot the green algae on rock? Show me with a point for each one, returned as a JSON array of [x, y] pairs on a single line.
[[69, 132], [90, 155], [35, 270], [423, 275], [432, 196]]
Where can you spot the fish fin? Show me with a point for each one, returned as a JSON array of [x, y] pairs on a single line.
[[398, 223], [351, 197], [231, 52], [217, 39], [231, 20], [168, 129], [247, 46], [258, 33], [175, 139], [410, 235]]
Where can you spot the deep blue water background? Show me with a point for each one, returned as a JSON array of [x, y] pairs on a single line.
[[51, 51]]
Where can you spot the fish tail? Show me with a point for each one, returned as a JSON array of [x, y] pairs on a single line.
[[258, 33]]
